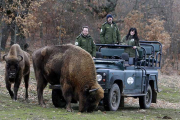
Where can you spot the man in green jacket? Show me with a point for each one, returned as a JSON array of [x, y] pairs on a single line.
[[85, 41], [109, 32]]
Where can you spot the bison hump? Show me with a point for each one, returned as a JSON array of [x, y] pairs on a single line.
[[44, 51]]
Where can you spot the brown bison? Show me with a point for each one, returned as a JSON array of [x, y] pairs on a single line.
[[72, 68], [17, 66]]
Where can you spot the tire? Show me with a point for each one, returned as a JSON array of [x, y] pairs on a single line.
[[57, 98], [112, 101], [145, 101]]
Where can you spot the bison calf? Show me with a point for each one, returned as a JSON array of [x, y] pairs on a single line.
[[17, 66], [74, 69]]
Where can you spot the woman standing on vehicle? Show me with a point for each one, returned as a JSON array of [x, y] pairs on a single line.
[[131, 39]]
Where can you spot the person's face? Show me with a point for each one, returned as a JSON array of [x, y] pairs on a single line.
[[85, 31], [132, 33], [109, 20]]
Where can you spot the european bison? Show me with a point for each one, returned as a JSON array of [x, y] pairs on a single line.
[[74, 69], [17, 66]]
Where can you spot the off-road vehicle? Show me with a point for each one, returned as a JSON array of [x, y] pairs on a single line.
[[123, 76]]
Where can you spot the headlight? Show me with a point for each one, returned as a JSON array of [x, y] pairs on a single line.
[[99, 77]]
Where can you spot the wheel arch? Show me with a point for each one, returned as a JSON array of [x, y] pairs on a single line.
[[120, 84], [116, 79], [154, 93]]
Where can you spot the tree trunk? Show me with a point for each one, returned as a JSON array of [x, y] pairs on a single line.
[[60, 36]]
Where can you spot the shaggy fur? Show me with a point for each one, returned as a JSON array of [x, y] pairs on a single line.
[[17, 66], [74, 69]]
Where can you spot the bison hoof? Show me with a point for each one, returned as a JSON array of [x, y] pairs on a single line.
[[69, 110], [27, 100], [44, 106]]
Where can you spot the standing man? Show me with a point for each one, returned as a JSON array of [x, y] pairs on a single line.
[[85, 41], [109, 32]]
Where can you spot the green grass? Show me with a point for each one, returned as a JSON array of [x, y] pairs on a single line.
[[169, 94], [32, 75], [20, 109], [30, 110]]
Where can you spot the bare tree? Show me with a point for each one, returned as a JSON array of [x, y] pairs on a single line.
[[13, 11]]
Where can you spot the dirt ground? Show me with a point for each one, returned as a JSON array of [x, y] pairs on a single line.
[[164, 80], [168, 98]]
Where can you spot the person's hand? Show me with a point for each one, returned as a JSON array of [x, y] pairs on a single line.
[[134, 47], [123, 44]]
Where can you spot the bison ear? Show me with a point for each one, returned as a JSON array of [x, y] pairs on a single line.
[[20, 58], [4, 57], [93, 90]]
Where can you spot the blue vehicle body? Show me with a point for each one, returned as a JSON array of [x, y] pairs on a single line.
[[135, 77]]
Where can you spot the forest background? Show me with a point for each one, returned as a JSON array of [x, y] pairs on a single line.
[[55, 22]]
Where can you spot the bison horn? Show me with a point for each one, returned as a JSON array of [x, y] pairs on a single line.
[[21, 58], [4, 57], [93, 90]]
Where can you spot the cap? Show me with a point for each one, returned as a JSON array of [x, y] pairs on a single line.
[[109, 15]]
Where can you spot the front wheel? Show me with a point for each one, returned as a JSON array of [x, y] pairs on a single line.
[[145, 101], [113, 100], [57, 98]]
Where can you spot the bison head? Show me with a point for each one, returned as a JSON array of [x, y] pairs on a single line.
[[12, 65], [93, 97]]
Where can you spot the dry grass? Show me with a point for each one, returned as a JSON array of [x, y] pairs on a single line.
[[172, 81], [164, 81], [21, 92]]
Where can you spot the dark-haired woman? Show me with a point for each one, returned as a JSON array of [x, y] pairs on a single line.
[[131, 39]]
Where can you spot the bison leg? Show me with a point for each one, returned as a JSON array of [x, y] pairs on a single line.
[[16, 87], [17, 84], [8, 86], [41, 84], [67, 93], [26, 81], [40, 88], [81, 104]]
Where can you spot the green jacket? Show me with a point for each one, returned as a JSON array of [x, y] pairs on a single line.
[[86, 43], [132, 42], [109, 34]]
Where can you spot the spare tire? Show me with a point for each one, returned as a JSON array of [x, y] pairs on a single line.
[[57, 98]]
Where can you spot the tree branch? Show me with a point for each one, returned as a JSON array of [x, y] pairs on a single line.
[[104, 9]]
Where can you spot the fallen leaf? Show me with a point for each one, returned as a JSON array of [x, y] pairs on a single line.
[[79, 113], [166, 117]]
